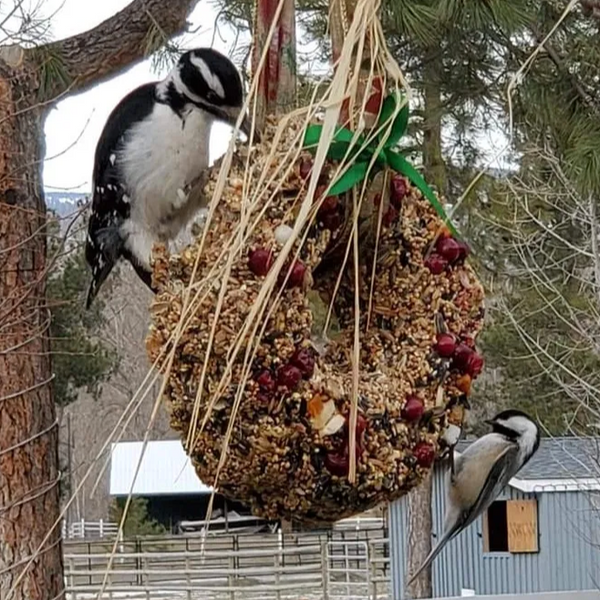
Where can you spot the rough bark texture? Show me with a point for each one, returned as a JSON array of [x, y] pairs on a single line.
[[277, 80], [419, 538], [96, 55], [28, 432], [30, 565]]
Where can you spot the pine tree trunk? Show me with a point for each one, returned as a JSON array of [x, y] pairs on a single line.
[[29, 490], [433, 160], [418, 540], [420, 523]]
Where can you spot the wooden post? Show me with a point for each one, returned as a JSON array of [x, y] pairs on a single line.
[[276, 92]]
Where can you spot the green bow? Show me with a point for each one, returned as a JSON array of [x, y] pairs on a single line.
[[360, 152]]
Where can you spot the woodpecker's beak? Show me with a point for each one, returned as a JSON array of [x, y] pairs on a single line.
[[246, 128]]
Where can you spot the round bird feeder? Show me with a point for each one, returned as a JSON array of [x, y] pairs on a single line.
[[317, 338]]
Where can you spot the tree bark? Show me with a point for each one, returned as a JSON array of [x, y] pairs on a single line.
[[30, 80], [420, 525], [433, 160], [419, 501], [276, 93], [28, 432]]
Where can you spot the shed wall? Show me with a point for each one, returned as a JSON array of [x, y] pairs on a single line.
[[568, 557]]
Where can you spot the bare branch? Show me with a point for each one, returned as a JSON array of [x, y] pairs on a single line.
[[89, 58]]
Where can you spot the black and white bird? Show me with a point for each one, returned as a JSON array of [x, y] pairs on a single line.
[[482, 471], [154, 145]]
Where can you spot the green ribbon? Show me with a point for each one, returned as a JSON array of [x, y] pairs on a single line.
[[360, 151]]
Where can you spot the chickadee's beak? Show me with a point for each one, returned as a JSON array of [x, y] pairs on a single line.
[[490, 421]]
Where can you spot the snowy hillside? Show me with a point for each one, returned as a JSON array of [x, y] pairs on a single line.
[[64, 203]]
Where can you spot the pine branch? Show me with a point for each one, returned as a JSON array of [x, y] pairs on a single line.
[[89, 58]]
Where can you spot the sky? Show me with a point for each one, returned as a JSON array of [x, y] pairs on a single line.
[[74, 126]]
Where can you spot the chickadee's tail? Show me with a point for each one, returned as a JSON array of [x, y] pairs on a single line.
[[432, 555]]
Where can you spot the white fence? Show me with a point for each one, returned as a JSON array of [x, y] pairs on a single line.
[[89, 529], [262, 567]]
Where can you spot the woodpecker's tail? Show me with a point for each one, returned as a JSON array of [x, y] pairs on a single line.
[[102, 251]]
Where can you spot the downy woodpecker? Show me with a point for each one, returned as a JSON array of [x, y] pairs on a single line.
[[154, 145]]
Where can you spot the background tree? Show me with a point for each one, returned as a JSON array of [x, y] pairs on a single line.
[[32, 78], [80, 357]]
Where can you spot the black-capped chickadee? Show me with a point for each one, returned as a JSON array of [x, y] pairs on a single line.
[[482, 471]]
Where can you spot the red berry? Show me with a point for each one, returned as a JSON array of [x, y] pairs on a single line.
[[289, 376], [474, 365], [296, 275], [464, 250], [331, 221], [337, 463], [361, 425], [413, 409], [390, 216], [329, 204], [461, 356], [449, 249], [424, 454], [445, 345], [398, 190], [265, 381], [436, 264], [303, 359], [306, 168], [260, 261]]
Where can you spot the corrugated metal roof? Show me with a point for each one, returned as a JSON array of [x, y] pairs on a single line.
[[165, 470], [561, 458]]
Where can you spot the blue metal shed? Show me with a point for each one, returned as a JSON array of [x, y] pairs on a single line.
[[542, 535]]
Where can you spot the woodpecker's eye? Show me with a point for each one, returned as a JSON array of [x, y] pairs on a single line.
[[212, 97]]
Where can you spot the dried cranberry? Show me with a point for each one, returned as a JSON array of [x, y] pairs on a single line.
[[306, 168], [265, 381], [413, 409], [436, 264], [464, 250], [424, 454], [474, 365], [398, 190], [289, 376], [390, 216], [449, 249], [329, 204], [337, 463], [304, 359], [260, 261], [296, 274], [331, 220], [445, 345], [461, 356], [361, 425]]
